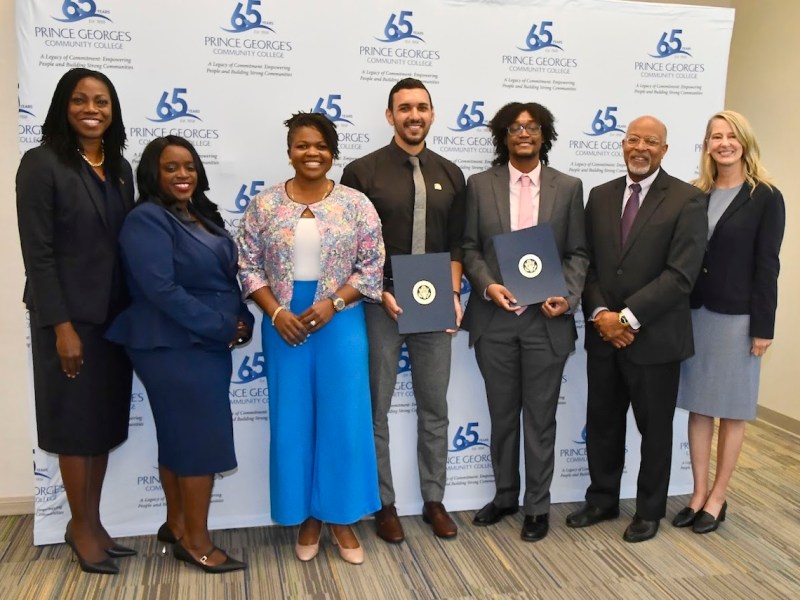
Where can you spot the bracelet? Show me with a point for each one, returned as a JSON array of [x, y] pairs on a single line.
[[275, 314]]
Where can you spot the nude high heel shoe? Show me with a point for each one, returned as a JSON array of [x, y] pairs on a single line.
[[355, 556]]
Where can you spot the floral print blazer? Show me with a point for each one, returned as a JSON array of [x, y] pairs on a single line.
[[352, 250]]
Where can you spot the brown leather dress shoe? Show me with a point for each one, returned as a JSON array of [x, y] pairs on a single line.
[[435, 514], [388, 525]]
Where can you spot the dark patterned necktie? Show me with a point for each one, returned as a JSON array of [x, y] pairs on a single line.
[[631, 209]]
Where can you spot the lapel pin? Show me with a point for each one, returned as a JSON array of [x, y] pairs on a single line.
[[437, 186]]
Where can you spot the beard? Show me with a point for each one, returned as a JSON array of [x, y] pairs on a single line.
[[636, 168], [413, 138]]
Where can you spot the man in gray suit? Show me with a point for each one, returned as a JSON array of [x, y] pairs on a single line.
[[521, 352]]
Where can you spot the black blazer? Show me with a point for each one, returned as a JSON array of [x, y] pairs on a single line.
[[69, 251], [653, 274], [741, 264]]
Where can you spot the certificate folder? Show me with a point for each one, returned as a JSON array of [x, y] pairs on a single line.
[[423, 288], [530, 264]]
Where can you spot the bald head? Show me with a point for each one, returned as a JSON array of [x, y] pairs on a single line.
[[650, 121], [644, 146]]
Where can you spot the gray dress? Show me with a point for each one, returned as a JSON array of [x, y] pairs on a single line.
[[721, 379]]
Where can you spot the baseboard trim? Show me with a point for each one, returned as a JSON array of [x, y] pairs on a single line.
[[777, 419], [19, 505]]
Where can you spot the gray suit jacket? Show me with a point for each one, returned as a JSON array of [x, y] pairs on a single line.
[[489, 213]]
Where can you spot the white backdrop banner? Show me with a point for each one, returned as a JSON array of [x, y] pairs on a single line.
[[225, 74]]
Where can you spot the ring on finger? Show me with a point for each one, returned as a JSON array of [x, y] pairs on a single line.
[[313, 323]]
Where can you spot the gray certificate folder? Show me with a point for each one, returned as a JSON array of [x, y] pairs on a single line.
[[530, 264], [423, 288]]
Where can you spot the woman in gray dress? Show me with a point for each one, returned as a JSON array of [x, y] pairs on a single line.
[[733, 316]]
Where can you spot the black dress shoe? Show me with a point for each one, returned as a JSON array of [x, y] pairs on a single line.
[[165, 535], [103, 567], [684, 518], [120, 551], [230, 564], [534, 528], [491, 514], [591, 515], [706, 522], [640, 530]]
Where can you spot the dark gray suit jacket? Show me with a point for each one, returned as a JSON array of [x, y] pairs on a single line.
[[489, 213], [69, 251], [653, 273]]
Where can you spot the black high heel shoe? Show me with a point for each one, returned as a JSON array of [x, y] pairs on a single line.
[[685, 517], [230, 564], [120, 551], [165, 536], [706, 522], [104, 567]]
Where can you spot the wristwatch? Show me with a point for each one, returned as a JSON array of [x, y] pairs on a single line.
[[338, 303], [623, 320]]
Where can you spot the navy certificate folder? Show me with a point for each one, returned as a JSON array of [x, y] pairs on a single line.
[[530, 264], [423, 288]]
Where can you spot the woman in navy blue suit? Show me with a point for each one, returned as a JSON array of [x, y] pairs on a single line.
[[733, 309], [73, 193], [185, 315]]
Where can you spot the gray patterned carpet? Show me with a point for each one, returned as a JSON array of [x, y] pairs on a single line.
[[755, 555]]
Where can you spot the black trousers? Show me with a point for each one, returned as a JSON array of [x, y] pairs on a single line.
[[615, 383]]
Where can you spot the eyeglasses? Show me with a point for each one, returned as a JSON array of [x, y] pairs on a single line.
[[532, 129], [650, 142]]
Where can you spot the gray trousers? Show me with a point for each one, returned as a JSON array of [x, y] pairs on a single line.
[[429, 355], [522, 374]]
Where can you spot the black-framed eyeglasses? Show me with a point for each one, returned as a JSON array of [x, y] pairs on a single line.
[[531, 128]]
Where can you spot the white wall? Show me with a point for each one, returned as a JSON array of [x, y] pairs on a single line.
[[763, 85], [16, 482]]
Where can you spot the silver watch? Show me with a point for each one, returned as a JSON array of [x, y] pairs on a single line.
[[338, 303]]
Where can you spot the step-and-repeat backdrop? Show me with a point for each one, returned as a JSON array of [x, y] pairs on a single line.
[[226, 73]]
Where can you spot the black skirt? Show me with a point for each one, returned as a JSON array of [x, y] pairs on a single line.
[[87, 415]]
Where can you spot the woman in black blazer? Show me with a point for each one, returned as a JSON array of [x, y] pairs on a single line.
[[73, 193], [734, 303]]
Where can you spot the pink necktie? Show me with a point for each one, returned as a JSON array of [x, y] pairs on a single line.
[[525, 217]]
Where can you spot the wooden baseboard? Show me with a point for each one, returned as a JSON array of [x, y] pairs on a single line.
[[19, 505], [778, 419]]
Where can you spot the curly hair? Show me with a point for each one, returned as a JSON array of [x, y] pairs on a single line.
[[148, 175], [506, 117], [60, 137], [320, 122]]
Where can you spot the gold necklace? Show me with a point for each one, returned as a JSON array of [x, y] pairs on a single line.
[[98, 163], [328, 190]]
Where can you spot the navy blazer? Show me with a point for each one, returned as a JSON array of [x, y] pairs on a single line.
[[183, 291], [740, 267], [68, 246]]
